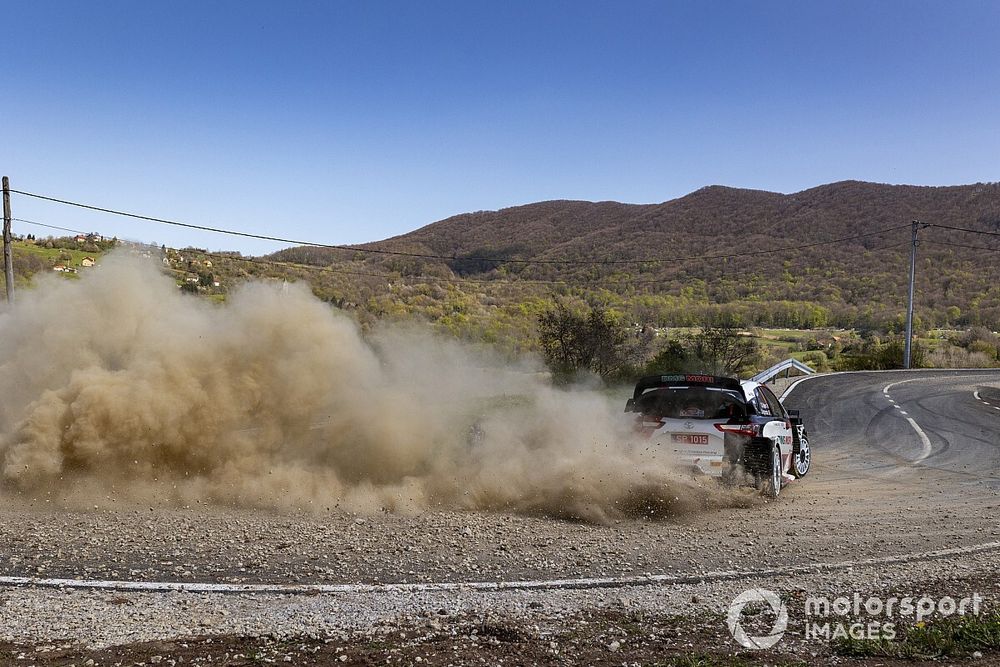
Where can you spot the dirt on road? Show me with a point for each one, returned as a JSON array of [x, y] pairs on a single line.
[[867, 497]]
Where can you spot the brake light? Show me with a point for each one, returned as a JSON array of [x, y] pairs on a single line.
[[749, 430], [647, 425]]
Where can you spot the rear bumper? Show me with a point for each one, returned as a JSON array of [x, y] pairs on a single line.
[[705, 465]]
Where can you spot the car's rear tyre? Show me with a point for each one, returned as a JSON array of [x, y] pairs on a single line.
[[772, 478], [801, 456], [762, 459]]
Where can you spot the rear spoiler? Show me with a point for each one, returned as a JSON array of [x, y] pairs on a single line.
[[653, 381], [688, 379]]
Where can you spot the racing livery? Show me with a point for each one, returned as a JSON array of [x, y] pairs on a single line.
[[723, 427]]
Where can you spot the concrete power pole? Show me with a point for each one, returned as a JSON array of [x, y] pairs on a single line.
[[8, 261], [909, 309]]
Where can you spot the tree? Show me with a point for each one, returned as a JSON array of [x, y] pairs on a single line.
[[560, 333], [672, 358], [877, 355], [953, 314], [574, 342], [723, 350]]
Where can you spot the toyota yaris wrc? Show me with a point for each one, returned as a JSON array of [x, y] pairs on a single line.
[[723, 427]]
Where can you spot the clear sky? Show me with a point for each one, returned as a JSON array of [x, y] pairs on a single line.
[[344, 122]]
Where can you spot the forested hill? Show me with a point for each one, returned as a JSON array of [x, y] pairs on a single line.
[[853, 280]]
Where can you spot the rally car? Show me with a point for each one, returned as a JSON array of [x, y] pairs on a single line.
[[724, 427]]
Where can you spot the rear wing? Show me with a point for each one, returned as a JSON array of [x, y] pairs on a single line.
[[687, 379]]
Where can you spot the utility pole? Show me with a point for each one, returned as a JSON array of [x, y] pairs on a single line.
[[8, 261], [909, 309]]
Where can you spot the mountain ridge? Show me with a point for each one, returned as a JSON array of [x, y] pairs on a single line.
[[833, 251]]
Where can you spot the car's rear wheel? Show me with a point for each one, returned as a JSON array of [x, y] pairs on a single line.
[[762, 459], [802, 456], [772, 478]]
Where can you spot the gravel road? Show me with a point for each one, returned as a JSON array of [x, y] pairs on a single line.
[[865, 498]]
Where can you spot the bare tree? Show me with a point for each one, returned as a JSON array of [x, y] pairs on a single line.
[[723, 350], [573, 342]]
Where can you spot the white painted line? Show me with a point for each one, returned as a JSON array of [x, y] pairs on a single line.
[[958, 372], [925, 442], [492, 586], [984, 402], [795, 384]]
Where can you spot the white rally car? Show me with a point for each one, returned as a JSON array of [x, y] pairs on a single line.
[[723, 427]]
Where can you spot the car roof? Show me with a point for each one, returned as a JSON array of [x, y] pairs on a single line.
[[695, 379], [651, 381]]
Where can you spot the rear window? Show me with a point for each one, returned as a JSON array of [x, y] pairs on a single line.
[[691, 403]]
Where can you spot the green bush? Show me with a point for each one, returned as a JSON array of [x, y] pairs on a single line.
[[817, 360]]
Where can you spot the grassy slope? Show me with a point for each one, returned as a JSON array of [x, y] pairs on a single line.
[[56, 255]]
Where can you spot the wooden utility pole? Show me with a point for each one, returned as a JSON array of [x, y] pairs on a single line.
[[8, 261], [909, 308]]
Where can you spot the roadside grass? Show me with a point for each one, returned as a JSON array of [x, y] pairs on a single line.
[[53, 255], [958, 637]]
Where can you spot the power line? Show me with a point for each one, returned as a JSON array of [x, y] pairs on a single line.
[[390, 277], [499, 260], [964, 245], [951, 227], [626, 279], [487, 281], [314, 267], [450, 279], [385, 276], [660, 280], [42, 224]]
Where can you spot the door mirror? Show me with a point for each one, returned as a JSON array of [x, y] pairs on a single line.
[[630, 405]]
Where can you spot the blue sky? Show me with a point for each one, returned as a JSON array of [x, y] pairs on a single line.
[[344, 122]]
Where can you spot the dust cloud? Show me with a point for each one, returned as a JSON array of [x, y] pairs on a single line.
[[117, 386]]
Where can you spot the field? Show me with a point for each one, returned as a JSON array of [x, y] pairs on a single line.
[[70, 257]]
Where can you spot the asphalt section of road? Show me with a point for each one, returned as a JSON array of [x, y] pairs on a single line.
[[880, 424]]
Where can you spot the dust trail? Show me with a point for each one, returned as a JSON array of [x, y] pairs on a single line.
[[117, 385]]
